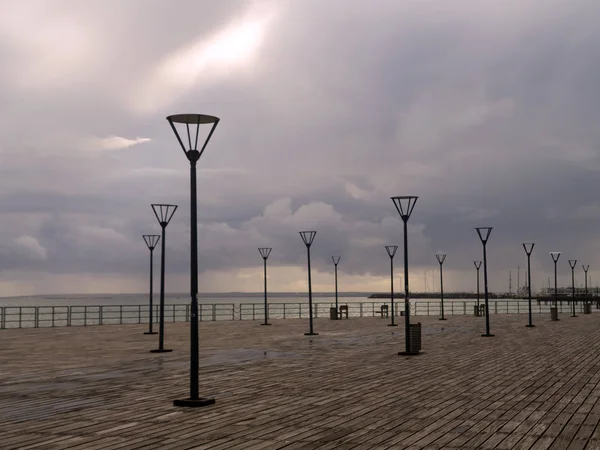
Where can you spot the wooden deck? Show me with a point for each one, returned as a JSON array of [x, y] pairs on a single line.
[[100, 388]]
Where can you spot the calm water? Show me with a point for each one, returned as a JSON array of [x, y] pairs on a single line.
[[209, 298]]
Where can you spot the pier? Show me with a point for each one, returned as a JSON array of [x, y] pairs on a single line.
[[93, 388]]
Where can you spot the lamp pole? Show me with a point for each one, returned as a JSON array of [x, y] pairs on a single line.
[[585, 269], [151, 241], [441, 257], [484, 235], [405, 205], [555, 256], [391, 251], [336, 261], [181, 123], [477, 266], [573, 263], [528, 249], [308, 237], [265, 252], [163, 213]]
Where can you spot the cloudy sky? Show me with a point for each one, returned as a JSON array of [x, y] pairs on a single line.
[[485, 109]]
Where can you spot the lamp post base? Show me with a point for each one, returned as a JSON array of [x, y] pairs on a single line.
[[160, 350], [574, 315], [530, 326], [265, 324], [191, 403], [311, 334], [150, 332], [409, 353], [442, 318], [487, 335], [392, 324]]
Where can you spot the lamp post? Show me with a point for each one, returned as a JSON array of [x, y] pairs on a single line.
[[193, 153], [484, 235], [163, 213], [441, 257], [554, 315], [528, 249], [336, 261], [308, 237], [265, 252], [573, 263], [391, 251], [477, 266], [151, 241], [405, 205], [585, 269]]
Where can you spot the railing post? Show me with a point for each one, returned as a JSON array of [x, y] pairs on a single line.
[[139, 313], [85, 316], [20, 315], [300, 310], [284, 310], [36, 317], [452, 308], [173, 313], [253, 311], [69, 313], [428, 308], [464, 308], [100, 310], [187, 313], [214, 312], [120, 314], [373, 308], [52, 316], [496, 307], [2, 319], [361, 309]]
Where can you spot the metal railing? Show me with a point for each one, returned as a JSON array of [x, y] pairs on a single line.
[[85, 315]]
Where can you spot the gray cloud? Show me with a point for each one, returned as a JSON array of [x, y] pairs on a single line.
[[485, 111]]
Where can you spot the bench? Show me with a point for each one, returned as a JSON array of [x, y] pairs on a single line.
[[343, 309], [384, 310]]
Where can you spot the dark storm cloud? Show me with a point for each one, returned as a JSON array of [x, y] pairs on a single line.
[[486, 110]]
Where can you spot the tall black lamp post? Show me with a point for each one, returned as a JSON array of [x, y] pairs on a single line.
[[585, 269], [151, 241], [163, 213], [477, 266], [554, 315], [391, 251], [484, 235], [265, 252], [405, 205], [336, 261], [308, 237], [183, 123], [573, 263], [528, 249], [441, 257]]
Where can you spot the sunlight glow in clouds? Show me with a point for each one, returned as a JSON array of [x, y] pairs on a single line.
[[234, 47]]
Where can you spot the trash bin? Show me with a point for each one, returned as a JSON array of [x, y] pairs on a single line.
[[554, 313], [476, 310], [333, 314], [415, 337], [587, 308]]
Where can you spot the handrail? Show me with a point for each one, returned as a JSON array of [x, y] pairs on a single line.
[[90, 315]]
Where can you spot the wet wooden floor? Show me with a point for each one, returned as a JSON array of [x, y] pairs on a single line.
[[100, 387]]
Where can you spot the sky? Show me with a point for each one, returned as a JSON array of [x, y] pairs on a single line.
[[487, 110]]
